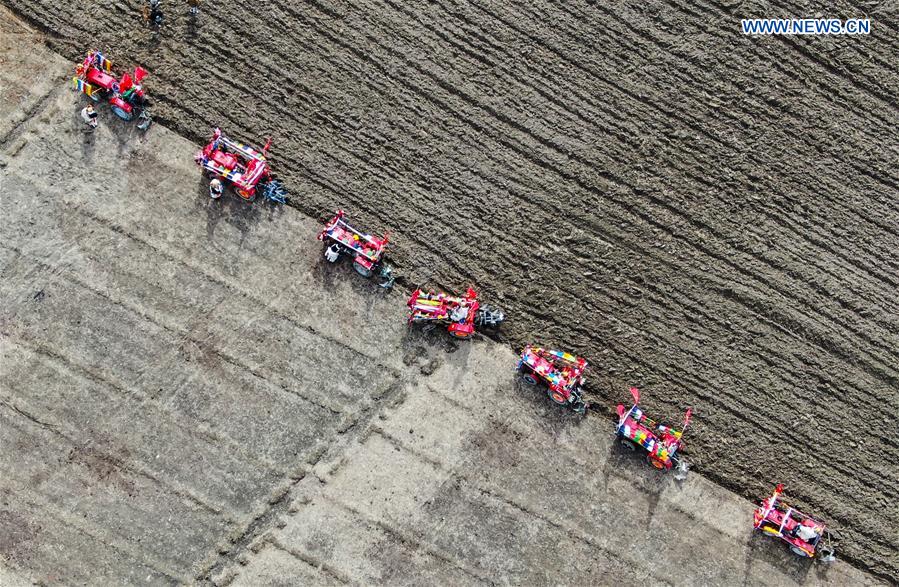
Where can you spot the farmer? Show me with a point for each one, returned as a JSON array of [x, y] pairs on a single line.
[[216, 189], [89, 116], [332, 253], [805, 533], [459, 313], [194, 6]]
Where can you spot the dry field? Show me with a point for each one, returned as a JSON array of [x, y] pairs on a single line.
[[709, 216]]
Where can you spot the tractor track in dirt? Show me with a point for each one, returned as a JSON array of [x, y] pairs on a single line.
[[707, 215]]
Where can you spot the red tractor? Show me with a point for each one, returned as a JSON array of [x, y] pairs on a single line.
[[245, 168], [661, 443], [342, 239], [806, 536], [561, 372], [94, 78], [460, 313]]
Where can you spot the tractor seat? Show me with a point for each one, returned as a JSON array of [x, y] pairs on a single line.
[[226, 160]]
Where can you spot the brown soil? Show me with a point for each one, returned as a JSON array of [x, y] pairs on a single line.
[[710, 216]]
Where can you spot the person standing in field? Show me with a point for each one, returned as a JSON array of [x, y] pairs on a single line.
[[89, 116], [216, 189], [194, 6]]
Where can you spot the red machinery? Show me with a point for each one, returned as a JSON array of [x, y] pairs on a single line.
[[246, 168], [561, 372], [807, 537], [95, 79], [343, 239], [460, 313], [661, 443]]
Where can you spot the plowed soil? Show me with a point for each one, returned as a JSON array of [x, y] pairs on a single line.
[[709, 216]]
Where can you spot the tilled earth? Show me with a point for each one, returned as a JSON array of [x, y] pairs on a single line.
[[710, 216]]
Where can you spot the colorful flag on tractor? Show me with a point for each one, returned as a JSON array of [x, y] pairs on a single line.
[[636, 393], [103, 62], [83, 86]]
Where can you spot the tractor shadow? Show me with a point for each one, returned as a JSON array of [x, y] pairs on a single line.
[[429, 346], [426, 349], [777, 554], [432, 336], [633, 466], [341, 271], [553, 418], [125, 132], [230, 208]]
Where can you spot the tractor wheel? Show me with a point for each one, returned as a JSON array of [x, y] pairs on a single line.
[[655, 462], [799, 552], [530, 379], [771, 530], [627, 444], [247, 195], [96, 95], [121, 113], [556, 397], [362, 270], [460, 330]]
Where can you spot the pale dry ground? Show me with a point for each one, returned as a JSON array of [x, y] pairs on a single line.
[[708, 215], [189, 395]]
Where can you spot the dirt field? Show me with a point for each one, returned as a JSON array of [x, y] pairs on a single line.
[[188, 395], [709, 216]]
